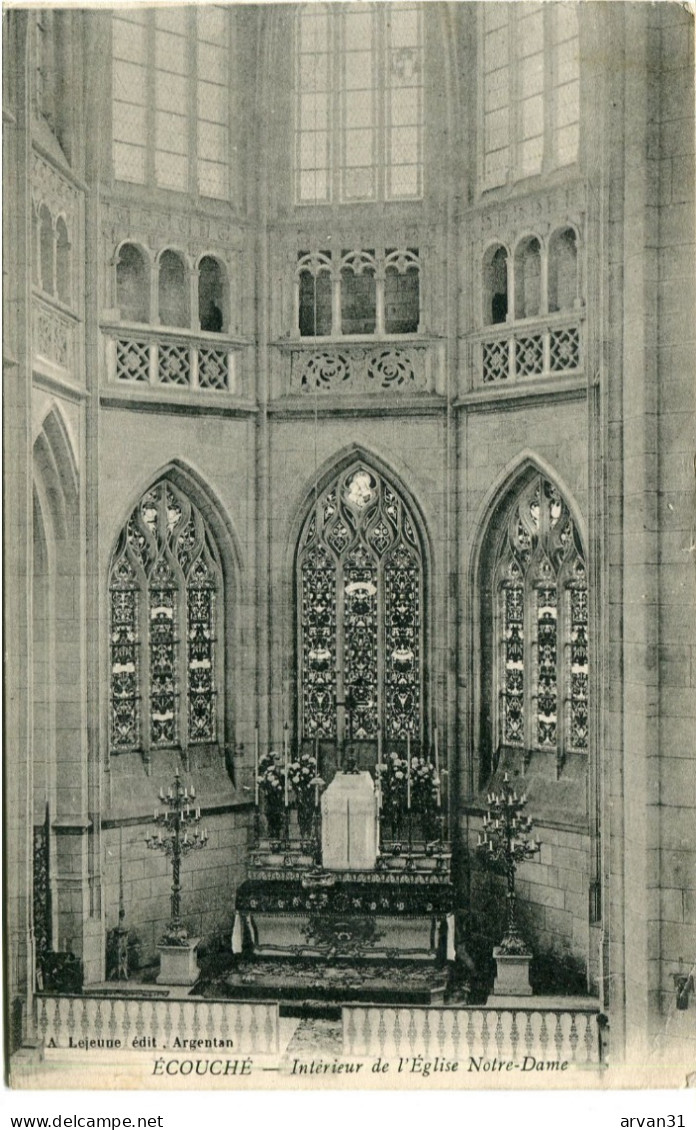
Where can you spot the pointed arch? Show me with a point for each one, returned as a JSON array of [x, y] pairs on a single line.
[[194, 484], [525, 464], [338, 463], [58, 723], [360, 562], [58, 450]]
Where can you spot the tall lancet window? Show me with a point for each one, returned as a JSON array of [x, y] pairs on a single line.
[[165, 588], [538, 615], [360, 613], [359, 102], [529, 67]]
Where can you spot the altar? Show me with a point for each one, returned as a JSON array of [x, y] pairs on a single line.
[[347, 894]]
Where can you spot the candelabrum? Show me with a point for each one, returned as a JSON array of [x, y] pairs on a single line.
[[177, 834], [505, 840]]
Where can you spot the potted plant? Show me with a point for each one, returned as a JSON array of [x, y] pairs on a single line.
[[305, 783], [271, 780], [424, 796], [394, 786]]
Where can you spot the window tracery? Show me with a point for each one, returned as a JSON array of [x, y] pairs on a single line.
[[540, 675], [360, 612], [164, 584], [362, 292]]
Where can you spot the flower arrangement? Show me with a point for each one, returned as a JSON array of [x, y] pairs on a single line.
[[424, 786], [271, 778], [396, 791], [271, 781], [306, 783], [394, 774]]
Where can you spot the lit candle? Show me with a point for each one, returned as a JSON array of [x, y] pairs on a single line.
[[287, 762], [161, 793], [256, 767], [506, 779], [154, 815], [176, 771], [408, 771], [438, 793], [185, 794], [192, 794]]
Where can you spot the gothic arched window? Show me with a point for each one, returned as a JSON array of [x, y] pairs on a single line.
[[360, 613], [165, 588], [535, 629]]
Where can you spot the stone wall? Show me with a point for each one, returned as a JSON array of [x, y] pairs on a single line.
[[209, 879], [674, 939]]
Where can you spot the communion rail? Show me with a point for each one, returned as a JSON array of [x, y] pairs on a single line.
[[569, 1035], [138, 1023]]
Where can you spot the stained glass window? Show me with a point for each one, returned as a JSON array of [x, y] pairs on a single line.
[[539, 615], [164, 583], [529, 62], [360, 612], [171, 83], [359, 102]]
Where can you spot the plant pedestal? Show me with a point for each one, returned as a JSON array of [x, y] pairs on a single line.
[[513, 974], [179, 964]]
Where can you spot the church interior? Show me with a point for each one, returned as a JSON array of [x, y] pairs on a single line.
[[350, 510]]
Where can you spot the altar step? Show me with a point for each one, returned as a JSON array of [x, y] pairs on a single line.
[[312, 988]]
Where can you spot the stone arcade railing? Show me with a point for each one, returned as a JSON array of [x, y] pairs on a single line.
[[550, 347], [394, 365], [546, 1035], [251, 1027], [163, 359]]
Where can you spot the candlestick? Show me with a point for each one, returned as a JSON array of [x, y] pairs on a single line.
[[438, 788], [286, 763], [379, 744], [192, 793], [408, 771], [256, 767]]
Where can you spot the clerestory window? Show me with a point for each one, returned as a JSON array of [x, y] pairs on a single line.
[[171, 98], [359, 102], [530, 71]]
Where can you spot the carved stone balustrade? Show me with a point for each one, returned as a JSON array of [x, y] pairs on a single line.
[[54, 336], [172, 359], [398, 366], [548, 347]]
